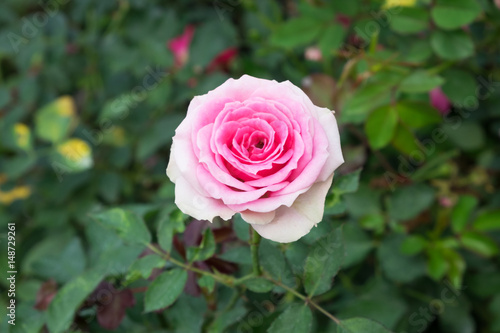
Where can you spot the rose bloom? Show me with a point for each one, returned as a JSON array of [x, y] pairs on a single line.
[[260, 148]]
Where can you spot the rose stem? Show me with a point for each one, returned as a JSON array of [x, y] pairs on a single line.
[[254, 247], [304, 298], [231, 282]]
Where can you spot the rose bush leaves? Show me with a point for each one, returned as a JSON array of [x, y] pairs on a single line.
[[129, 226], [356, 325], [165, 289], [323, 263], [297, 318]]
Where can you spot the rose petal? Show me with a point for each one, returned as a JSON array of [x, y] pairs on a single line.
[[291, 223], [200, 207], [257, 218], [335, 158]]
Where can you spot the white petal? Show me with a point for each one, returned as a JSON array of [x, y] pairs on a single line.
[[335, 158], [291, 223], [200, 207], [257, 218], [173, 171]]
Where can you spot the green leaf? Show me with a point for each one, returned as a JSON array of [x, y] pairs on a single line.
[[180, 315], [272, 261], [130, 227], [207, 282], [462, 211], [381, 125], [417, 114], [468, 136], [68, 299], [347, 183], [165, 289], [456, 267], [460, 87], [407, 202], [410, 20], [240, 255], [365, 99], [349, 8], [205, 250], [55, 121], [405, 141], [295, 32], [241, 228], [68, 263], [169, 223], [297, 318], [143, 267], [479, 243], [361, 325], [413, 245], [397, 266], [437, 265], [453, 14], [323, 263], [331, 39], [259, 285], [454, 45], [374, 222], [158, 135], [420, 81], [487, 221], [357, 244]]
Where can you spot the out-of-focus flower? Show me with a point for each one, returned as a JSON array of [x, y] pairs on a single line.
[[180, 46], [74, 155], [22, 136], [74, 149], [445, 202], [344, 20], [497, 3], [17, 193], [399, 3], [223, 60], [313, 53], [439, 101], [65, 106]]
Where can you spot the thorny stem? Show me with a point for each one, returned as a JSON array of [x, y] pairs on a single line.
[[232, 282], [304, 298]]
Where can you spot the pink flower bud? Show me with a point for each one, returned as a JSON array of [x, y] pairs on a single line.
[[439, 101]]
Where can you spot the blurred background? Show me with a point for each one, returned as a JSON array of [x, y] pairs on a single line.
[[91, 92]]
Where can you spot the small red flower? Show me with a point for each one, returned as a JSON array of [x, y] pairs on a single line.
[[180, 46]]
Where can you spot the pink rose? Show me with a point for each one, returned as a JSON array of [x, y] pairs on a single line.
[[259, 148], [439, 101], [180, 46]]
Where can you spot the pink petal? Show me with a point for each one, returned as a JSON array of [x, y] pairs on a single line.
[[180, 46]]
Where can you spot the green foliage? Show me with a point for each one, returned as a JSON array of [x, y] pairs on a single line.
[[323, 262], [205, 250], [296, 318], [126, 224], [355, 325], [165, 289]]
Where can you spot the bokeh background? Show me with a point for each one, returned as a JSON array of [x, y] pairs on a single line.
[[91, 92]]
